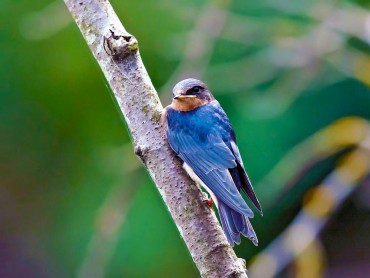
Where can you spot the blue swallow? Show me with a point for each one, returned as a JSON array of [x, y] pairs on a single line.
[[200, 133]]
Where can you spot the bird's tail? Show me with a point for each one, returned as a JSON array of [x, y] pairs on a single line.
[[234, 224]]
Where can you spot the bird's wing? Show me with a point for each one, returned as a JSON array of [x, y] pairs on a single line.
[[210, 159], [245, 183]]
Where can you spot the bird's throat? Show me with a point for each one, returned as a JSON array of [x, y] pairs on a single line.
[[188, 104]]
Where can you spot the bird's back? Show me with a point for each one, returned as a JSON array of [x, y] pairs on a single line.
[[205, 121]]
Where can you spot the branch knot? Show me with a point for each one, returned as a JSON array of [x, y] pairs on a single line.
[[120, 46], [142, 153]]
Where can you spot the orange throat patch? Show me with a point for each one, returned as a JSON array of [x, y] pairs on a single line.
[[187, 104]]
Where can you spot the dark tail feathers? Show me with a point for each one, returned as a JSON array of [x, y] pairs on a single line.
[[234, 224], [241, 180]]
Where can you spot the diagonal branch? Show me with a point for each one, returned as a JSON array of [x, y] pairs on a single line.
[[116, 52]]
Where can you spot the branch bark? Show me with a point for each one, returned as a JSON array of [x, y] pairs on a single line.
[[116, 52]]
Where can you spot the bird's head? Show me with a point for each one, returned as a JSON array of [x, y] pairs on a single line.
[[189, 94]]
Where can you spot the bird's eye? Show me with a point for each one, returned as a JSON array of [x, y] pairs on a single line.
[[196, 89]]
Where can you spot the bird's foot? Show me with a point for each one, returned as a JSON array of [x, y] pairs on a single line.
[[206, 199], [204, 196], [209, 202]]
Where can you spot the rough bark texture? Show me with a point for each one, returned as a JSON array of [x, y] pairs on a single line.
[[116, 51]]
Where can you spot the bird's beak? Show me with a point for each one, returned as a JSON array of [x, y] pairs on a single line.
[[180, 96], [184, 96]]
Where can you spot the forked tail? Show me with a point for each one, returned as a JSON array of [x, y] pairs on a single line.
[[234, 224]]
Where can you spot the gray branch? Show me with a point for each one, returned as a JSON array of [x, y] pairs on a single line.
[[116, 52]]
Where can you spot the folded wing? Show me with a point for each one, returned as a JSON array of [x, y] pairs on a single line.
[[210, 159]]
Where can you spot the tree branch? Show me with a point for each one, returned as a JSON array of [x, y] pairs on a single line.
[[116, 51]]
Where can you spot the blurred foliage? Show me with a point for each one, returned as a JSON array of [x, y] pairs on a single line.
[[74, 200]]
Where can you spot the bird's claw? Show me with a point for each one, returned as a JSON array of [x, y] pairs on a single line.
[[207, 200], [204, 195]]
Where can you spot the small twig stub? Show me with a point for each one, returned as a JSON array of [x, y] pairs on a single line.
[[120, 46]]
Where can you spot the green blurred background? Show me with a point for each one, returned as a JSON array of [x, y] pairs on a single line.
[[74, 199]]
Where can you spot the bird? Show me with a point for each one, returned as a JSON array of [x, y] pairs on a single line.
[[199, 132]]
